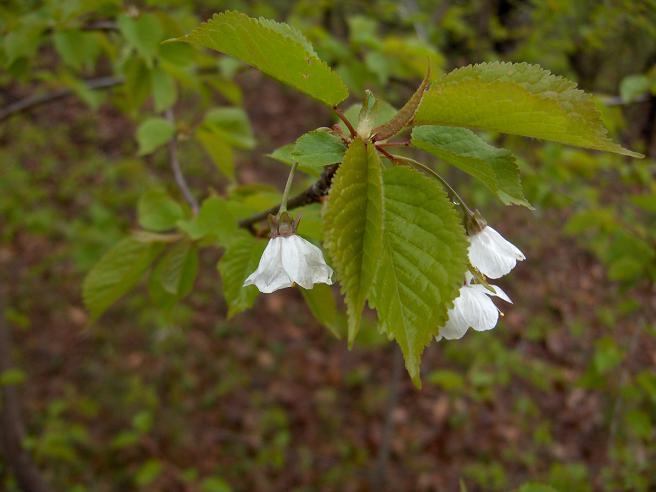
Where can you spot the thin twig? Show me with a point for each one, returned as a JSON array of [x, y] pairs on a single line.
[[11, 421], [177, 171], [312, 194], [380, 470], [101, 25], [35, 100], [30, 102]]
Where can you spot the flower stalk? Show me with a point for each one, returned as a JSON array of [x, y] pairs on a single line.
[[468, 211], [285, 193]]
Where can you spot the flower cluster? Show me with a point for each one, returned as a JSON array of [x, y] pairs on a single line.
[[493, 256], [289, 259]]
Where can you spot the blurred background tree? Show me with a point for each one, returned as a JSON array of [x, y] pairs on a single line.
[[165, 394]]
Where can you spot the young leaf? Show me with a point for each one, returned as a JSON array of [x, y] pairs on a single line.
[[157, 211], [422, 263], [374, 114], [239, 260], [176, 271], [213, 221], [284, 154], [274, 48], [319, 148], [164, 89], [404, 116], [353, 226], [219, 151], [496, 168], [116, 273], [153, 133], [519, 99], [137, 87], [143, 34], [232, 125], [76, 48]]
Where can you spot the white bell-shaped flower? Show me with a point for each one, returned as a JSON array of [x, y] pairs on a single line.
[[473, 308], [491, 254], [289, 260]]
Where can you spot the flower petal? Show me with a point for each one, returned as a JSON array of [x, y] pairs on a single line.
[[304, 263], [270, 274], [479, 310], [498, 292], [457, 324], [492, 254], [471, 309]]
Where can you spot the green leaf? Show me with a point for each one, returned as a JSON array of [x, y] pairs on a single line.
[[232, 125], [143, 34], [404, 116], [157, 211], [240, 259], [219, 151], [215, 484], [646, 202], [214, 221], [319, 148], [321, 301], [535, 487], [137, 87], [284, 154], [274, 48], [634, 86], [462, 148], [148, 472], [177, 270], [165, 91], [12, 377], [116, 273], [422, 262], [178, 54], [153, 133], [353, 225], [76, 48], [519, 99]]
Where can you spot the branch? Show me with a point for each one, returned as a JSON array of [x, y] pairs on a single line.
[[100, 25], [177, 171], [33, 101], [100, 83], [11, 423], [312, 194]]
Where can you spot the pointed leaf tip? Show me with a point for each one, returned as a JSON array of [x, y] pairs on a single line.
[[282, 52], [404, 116]]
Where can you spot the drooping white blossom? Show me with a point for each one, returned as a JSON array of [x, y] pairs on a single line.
[[289, 260], [473, 308], [492, 254]]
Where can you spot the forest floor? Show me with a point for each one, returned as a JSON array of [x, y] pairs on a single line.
[[271, 401]]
